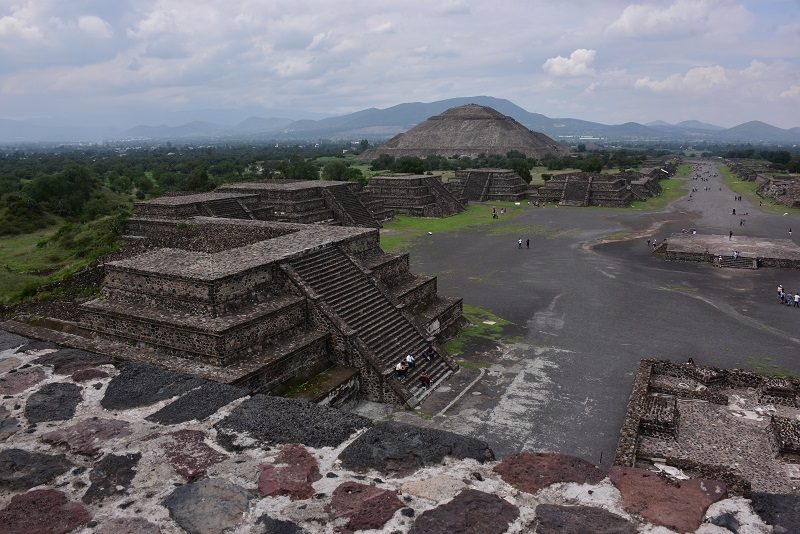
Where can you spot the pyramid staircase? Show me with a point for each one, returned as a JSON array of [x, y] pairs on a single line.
[[575, 193], [352, 206], [358, 301], [476, 187], [227, 208]]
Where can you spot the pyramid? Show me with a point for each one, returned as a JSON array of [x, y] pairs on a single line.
[[468, 130]]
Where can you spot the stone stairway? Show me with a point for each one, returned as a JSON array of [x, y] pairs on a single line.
[[227, 208], [476, 187], [575, 193], [353, 207], [362, 306], [737, 263]]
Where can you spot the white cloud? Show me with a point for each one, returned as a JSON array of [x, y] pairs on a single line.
[[453, 7], [95, 26], [698, 79], [792, 92], [577, 64], [16, 28], [681, 17], [386, 27]]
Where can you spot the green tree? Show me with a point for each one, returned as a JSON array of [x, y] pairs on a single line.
[[335, 170], [410, 164]]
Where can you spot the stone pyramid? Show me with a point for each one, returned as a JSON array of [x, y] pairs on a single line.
[[468, 130]]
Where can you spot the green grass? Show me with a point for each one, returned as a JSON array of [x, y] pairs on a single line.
[[764, 365], [399, 233], [748, 191], [474, 365], [51, 255], [477, 329]]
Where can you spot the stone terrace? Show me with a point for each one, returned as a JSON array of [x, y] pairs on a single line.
[[413, 194], [707, 248], [89, 445], [729, 425], [492, 185], [285, 303]]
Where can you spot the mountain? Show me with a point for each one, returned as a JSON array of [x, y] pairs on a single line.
[[657, 123], [259, 124], [760, 132], [697, 125]]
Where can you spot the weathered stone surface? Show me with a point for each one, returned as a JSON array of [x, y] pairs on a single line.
[[391, 446], [88, 436], [20, 470], [278, 526], [364, 506], [8, 363], [533, 471], [128, 525], [10, 341], [678, 506], [197, 404], [208, 506], [781, 511], [188, 454], [14, 383], [8, 425], [67, 361], [272, 420], [438, 488], [113, 474], [141, 385], [36, 345], [53, 402], [471, 511], [554, 519], [44, 511], [84, 375], [294, 478]]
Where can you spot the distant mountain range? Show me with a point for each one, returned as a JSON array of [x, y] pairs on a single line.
[[378, 124]]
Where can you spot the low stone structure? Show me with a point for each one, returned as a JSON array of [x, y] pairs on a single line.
[[754, 252], [715, 423], [310, 201], [148, 450], [492, 185], [267, 305], [418, 195], [786, 190]]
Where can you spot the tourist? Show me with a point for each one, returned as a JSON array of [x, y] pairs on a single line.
[[797, 299], [424, 380], [410, 361], [648, 243], [730, 235], [401, 368], [735, 254], [519, 243], [780, 292], [527, 243]]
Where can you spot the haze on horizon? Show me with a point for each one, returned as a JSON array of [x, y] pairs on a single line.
[[128, 62]]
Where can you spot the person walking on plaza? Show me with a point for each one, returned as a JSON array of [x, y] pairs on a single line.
[[797, 299], [527, 243], [519, 243]]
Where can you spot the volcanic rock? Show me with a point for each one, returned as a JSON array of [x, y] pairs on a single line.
[[531, 472]]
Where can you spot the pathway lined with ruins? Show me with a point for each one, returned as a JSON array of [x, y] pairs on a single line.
[[588, 314]]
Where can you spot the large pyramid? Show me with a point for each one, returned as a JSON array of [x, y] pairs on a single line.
[[467, 130]]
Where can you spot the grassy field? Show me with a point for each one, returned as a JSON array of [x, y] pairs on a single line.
[[748, 191], [398, 234], [476, 329], [52, 254]]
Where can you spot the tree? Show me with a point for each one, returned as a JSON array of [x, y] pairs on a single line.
[[522, 167], [335, 170], [410, 164], [581, 147], [297, 168], [199, 180], [64, 192], [382, 162], [363, 144]]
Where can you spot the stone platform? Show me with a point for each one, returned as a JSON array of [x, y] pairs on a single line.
[[708, 248], [418, 195], [490, 185], [729, 424], [90, 445]]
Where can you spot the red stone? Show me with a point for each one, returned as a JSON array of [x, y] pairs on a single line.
[[365, 506], [88, 436], [128, 525], [84, 375], [44, 511], [531, 472], [14, 383], [679, 505], [188, 454], [294, 478]]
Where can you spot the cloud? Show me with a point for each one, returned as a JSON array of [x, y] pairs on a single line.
[[681, 17], [16, 28], [453, 7], [386, 27], [577, 64], [95, 26], [696, 80], [792, 92]]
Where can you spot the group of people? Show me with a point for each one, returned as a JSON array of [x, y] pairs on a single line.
[[494, 212], [527, 243], [786, 298], [409, 362]]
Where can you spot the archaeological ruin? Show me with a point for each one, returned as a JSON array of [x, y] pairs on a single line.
[[735, 426], [488, 185], [598, 189], [468, 130], [418, 195], [751, 252]]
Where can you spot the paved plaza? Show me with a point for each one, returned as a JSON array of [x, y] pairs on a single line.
[[588, 301]]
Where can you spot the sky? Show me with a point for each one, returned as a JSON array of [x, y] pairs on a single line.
[[125, 62]]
